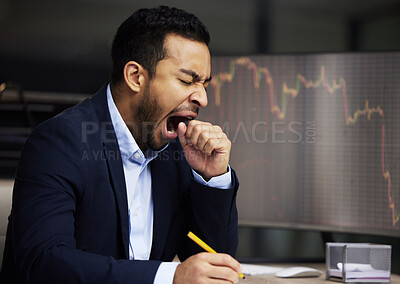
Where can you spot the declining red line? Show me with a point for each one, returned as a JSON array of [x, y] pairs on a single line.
[[386, 174], [223, 77]]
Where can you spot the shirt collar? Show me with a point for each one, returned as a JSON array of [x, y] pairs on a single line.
[[127, 144]]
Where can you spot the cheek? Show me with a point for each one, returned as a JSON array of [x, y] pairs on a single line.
[[171, 96]]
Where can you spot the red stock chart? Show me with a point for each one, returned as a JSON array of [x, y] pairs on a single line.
[[315, 138]]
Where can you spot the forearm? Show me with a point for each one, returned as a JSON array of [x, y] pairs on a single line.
[[213, 217]]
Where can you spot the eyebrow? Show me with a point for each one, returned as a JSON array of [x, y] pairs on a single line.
[[194, 75]]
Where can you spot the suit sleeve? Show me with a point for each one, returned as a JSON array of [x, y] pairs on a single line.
[[223, 181], [48, 187], [213, 217]]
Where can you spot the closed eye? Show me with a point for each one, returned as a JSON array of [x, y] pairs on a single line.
[[185, 82]]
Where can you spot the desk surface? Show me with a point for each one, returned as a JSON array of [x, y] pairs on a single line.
[[272, 279]]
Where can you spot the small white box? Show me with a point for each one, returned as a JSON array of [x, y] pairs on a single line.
[[352, 262]]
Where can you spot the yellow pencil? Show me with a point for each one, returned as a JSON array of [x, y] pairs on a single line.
[[206, 247]]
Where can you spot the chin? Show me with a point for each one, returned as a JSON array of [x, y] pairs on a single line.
[[157, 144]]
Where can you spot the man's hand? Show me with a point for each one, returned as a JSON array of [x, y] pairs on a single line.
[[206, 148], [208, 268]]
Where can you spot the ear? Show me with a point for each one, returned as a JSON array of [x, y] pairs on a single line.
[[135, 76]]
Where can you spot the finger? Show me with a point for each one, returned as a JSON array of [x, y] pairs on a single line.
[[216, 268], [190, 126], [201, 134], [203, 138], [214, 132], [224, 273], [219, 281], [215, 144], [182, 129], [194, 129], [223, 259]]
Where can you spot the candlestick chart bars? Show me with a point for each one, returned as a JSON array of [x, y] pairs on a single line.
[[353, 100]]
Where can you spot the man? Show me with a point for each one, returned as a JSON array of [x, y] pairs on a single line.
[[107, 191]]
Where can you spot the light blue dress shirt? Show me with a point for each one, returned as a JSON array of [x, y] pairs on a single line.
[[139, 193]]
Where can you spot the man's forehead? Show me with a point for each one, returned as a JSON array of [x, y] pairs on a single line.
[[189, 56]]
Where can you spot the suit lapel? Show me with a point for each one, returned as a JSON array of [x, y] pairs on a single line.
[[114, 162], [163, 198], [116, 172], [163, 193]]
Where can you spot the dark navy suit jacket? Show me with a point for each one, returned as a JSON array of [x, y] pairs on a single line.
[[69, 218]]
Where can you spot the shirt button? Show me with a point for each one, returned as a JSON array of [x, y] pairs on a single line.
[[137, 155], [135, 213]]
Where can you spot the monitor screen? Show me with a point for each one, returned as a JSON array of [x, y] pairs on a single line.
[[315, 138]]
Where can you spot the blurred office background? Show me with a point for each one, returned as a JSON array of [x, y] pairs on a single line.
[[64, 45], [58, 52]]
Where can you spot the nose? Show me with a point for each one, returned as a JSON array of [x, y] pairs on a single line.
[[199, 96]]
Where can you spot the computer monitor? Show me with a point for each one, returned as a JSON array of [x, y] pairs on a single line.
[[315, 138]]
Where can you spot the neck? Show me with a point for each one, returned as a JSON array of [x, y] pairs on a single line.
[[123, 97]]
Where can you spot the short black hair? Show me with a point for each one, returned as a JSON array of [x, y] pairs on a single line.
[[141, 37]]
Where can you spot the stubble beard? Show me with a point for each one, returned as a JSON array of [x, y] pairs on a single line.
[[146, 117]]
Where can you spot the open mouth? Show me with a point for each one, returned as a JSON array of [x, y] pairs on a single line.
[[173, 122]]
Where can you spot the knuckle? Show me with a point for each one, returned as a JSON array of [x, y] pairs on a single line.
[[226, 142], [210, 144], [218, 128], [204, 136], [226, 258], [198, 127], [215, 143], [202, 255], [218, 144]]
